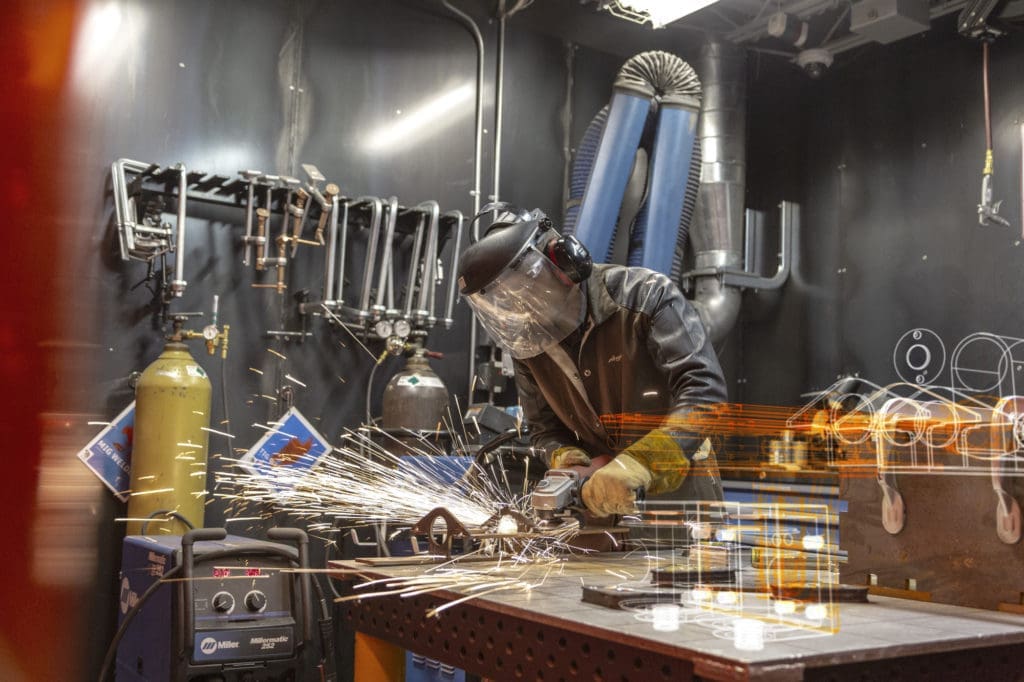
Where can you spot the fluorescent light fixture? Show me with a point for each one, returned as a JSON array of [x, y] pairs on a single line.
[[429, 117], [659, 12]]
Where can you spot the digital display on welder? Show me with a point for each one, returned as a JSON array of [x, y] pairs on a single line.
[[220, 572]]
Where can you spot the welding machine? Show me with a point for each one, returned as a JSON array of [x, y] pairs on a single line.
[[209, 606]]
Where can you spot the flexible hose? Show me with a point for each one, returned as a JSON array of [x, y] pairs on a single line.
[[984, 85], [660, 74], [586, 154]]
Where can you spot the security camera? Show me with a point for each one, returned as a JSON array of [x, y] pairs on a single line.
[[814, 62]]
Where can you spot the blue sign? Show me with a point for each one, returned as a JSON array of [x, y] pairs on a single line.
[[291, 443], [109, 454]]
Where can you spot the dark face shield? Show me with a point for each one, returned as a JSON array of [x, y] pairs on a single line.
[[529, 307]]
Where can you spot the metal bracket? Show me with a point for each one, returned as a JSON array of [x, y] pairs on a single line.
[[789, 213]]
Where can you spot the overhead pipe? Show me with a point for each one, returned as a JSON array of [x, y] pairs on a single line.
[[478, 40], [717, 236]]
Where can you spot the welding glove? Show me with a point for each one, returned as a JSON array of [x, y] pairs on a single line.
[[663, 456], [568, 456], [612, 488]]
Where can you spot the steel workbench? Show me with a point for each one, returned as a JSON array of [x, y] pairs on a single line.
[[549, 633]]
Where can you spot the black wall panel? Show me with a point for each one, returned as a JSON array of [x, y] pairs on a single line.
[[267, 86], [892, 148]]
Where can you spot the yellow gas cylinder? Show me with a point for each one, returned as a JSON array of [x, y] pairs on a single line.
[[168, 465]]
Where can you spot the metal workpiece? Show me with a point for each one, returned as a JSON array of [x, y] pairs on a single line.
[[449, 309], [547, 632]]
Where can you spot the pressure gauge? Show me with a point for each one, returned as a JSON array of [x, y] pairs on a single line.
[[210, 332], [383, 329], [402, 328]]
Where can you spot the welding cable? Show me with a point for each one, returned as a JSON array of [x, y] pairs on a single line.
[[494, 444], [169, 513], [988, 113], [326, 623], [369, 386]]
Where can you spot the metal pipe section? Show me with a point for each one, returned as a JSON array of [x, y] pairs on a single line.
[[376, 207], [429, 260], [499, 99], [249, 199], [125, 220], [717, 236], [343, 221], [386, 262], [332, 241], [788, 225], [478, 40], [414, 258], [178, 283], [453, 268]]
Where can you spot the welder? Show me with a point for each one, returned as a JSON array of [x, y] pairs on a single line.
[[593, 346]]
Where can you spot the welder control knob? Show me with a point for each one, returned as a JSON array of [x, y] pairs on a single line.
[[223, 602], [256, 601]]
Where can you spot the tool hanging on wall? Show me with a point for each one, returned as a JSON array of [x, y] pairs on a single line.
[[395, 239], [988, 210]]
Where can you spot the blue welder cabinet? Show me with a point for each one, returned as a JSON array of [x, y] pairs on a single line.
[[247, 611]]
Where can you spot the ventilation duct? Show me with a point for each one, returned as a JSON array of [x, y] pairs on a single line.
[[717, 234], [607, 165]]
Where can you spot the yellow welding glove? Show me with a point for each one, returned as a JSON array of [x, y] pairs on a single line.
[[568, 456], [663, 457], [612, 488]]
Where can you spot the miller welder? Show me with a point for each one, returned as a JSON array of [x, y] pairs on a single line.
[[208, 606]]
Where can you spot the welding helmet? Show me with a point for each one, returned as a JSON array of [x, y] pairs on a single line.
[[522, 281]]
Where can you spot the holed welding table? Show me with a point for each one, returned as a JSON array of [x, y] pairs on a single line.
[[549, 633]]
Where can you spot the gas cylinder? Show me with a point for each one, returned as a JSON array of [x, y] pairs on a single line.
[[415, 398], [168, 466]]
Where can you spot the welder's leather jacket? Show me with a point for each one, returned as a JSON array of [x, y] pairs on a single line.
[[642, 351]]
